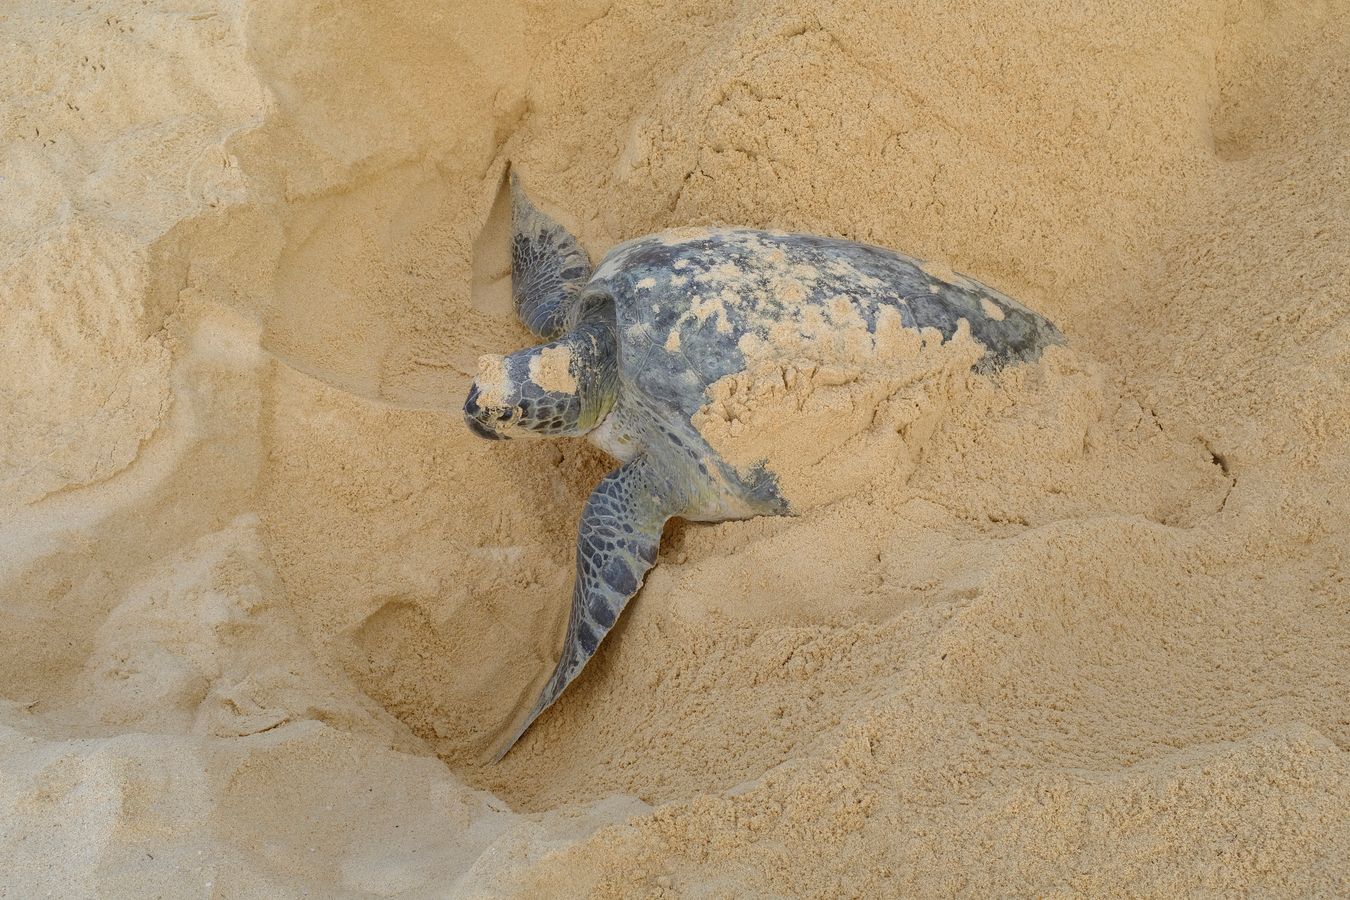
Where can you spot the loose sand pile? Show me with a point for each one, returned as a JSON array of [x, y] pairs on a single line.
[[265, 603]]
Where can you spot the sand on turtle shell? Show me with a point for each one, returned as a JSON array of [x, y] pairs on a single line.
[[265, 604]]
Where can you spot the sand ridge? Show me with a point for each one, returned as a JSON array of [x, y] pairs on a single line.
[[1080, 630]]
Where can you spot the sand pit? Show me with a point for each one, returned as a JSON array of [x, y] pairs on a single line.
[[1083, 630]]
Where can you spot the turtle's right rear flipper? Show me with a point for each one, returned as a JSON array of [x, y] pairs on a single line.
[[548, 266]]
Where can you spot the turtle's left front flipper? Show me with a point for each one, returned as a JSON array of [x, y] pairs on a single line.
[[620, 532], [548, 266]]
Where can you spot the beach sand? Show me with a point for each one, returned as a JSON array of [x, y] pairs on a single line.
[[266, 604]]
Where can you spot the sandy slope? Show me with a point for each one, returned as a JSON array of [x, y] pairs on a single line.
[[1082, 631]]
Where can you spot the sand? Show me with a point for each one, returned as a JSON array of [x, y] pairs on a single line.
[[265, 604]]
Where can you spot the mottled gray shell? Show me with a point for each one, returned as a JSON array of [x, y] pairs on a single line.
[[714, 286]]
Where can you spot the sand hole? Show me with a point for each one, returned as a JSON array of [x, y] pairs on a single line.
[[490, 284]]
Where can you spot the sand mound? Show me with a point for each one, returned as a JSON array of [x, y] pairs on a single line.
[[1082, 629]]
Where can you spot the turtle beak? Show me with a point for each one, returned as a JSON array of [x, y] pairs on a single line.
[[482, 430], [475, 417]]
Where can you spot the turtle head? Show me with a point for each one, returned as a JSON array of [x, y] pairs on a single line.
[[555, 390]]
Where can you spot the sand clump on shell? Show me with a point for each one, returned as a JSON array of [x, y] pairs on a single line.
[[1080, 630]]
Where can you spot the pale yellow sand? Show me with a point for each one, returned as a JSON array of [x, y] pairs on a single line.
[[265, 603]]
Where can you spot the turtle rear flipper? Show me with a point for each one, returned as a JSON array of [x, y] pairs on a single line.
[[620, 532], [548, 266]]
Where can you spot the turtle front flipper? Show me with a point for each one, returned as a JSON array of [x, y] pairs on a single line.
[[548, 266], [620, 532]]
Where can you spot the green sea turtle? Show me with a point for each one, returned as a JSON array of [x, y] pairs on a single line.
[[633, 346]]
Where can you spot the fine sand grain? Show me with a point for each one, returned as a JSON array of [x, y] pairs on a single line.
[[265, 604]]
